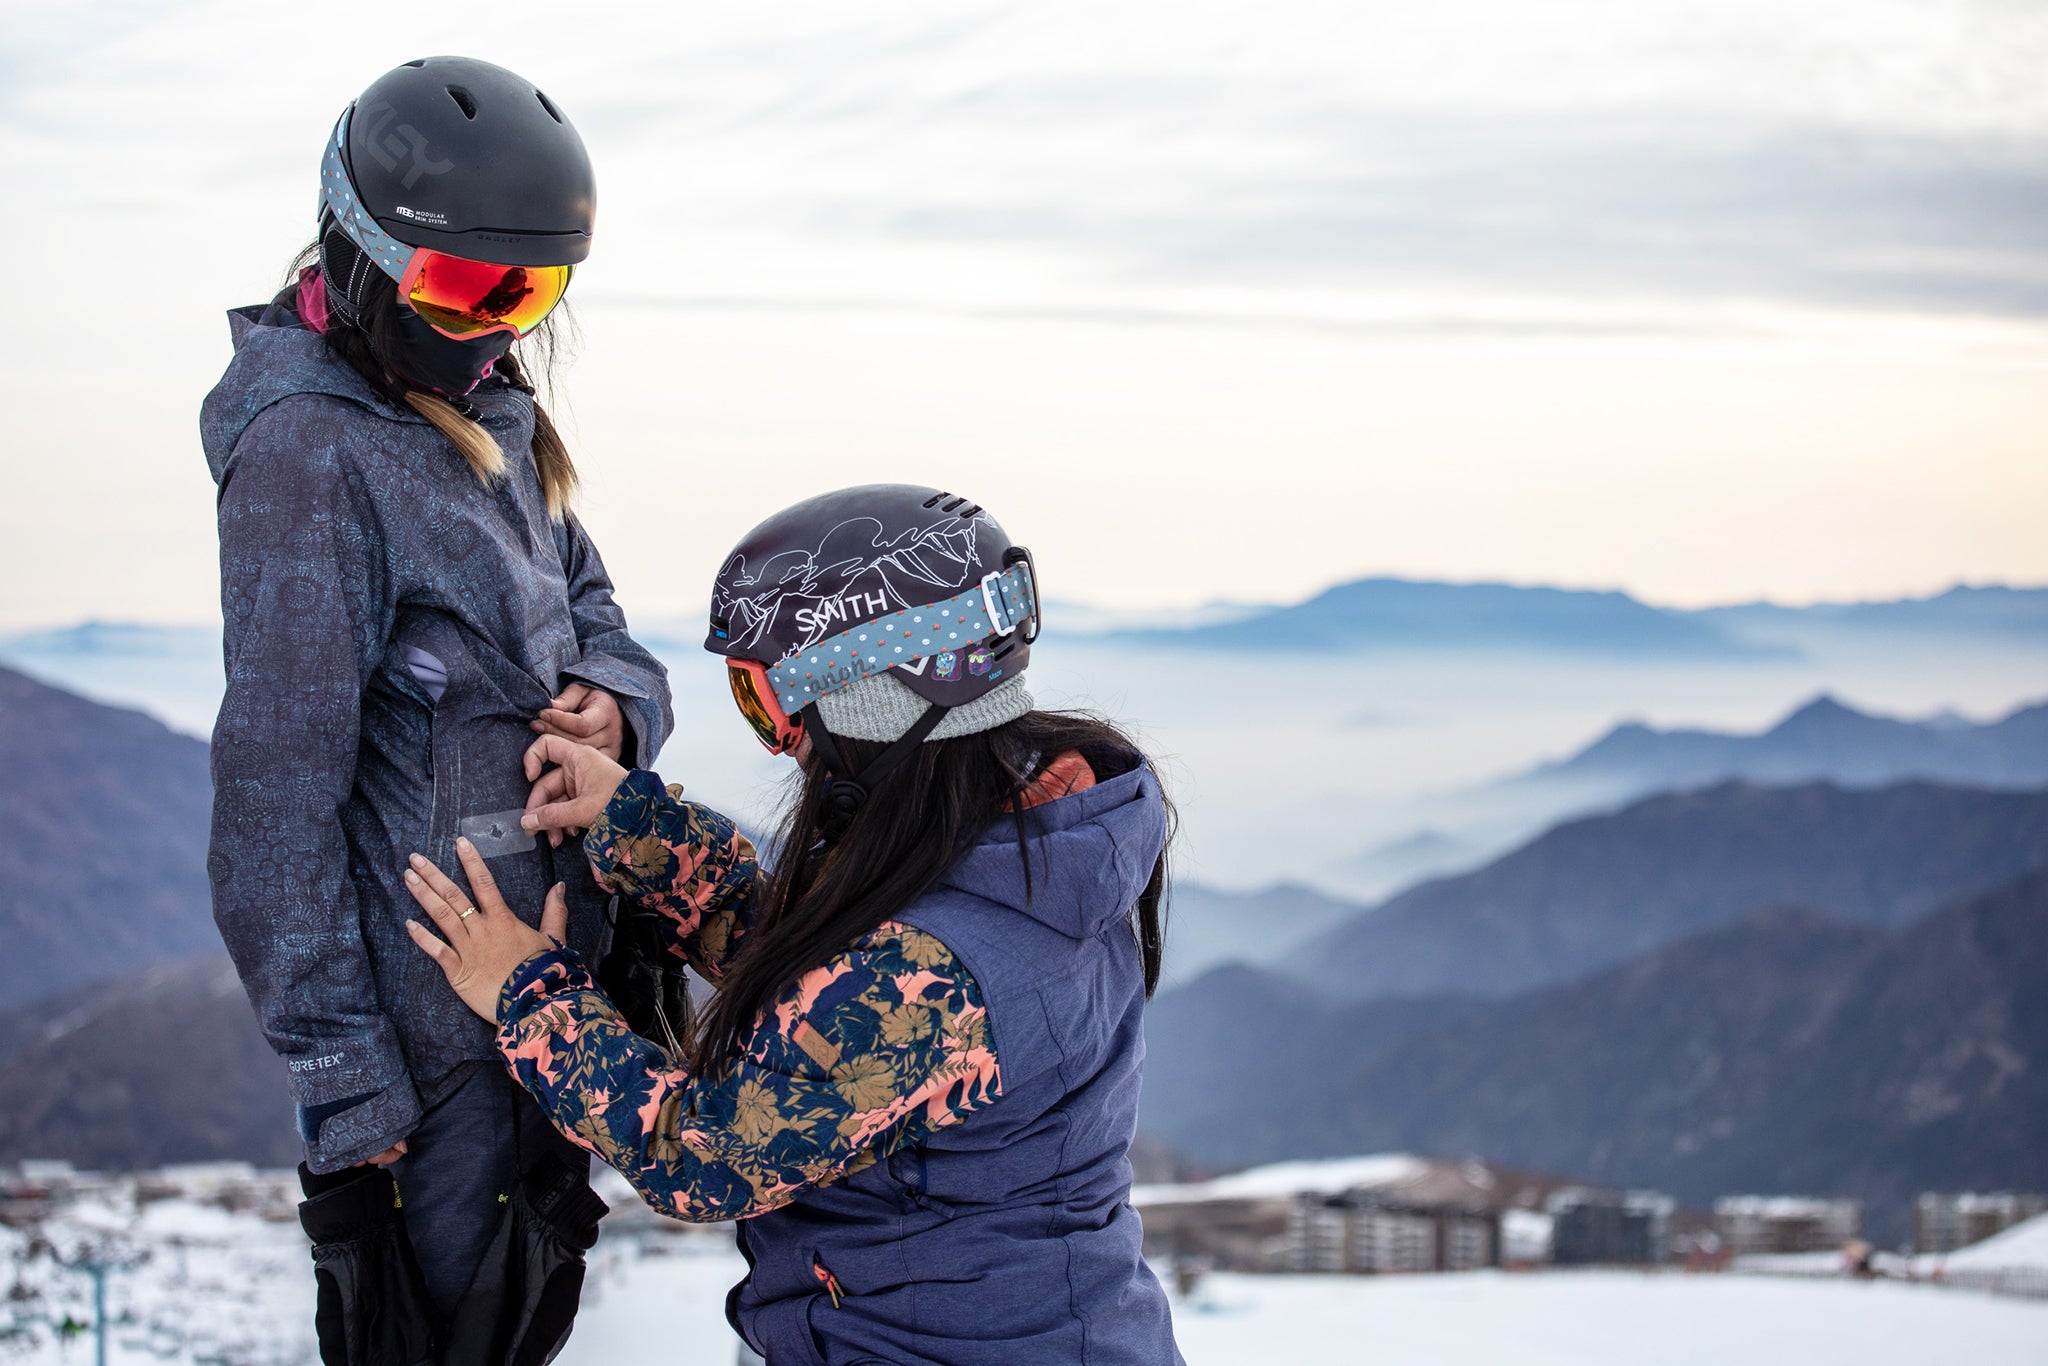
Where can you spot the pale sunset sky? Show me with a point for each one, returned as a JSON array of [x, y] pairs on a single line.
[[1707, 301]]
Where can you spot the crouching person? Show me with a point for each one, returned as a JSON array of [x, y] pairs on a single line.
[[918, 1081]]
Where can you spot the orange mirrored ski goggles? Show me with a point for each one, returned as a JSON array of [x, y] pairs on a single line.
[[775, 728], [461, 298]]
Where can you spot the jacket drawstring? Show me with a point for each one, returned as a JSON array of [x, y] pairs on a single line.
[[831, 1281]]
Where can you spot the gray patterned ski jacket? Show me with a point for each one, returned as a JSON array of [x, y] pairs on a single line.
[[352, 536]]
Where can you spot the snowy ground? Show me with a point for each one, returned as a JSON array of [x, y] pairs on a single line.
[[2022, 1245], [651, 1308], [1597, 1317], [217, 1289]]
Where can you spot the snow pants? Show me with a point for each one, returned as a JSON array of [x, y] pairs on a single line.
[[469, 1250], [461, 1163]]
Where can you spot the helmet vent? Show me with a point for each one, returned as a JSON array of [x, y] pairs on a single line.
[[464, 101], [972, 509], [950, 506], [548, 105], [936, 499], [416, 63]]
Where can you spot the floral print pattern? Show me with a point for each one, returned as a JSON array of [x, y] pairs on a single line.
[[863, 1056], [679, 858]]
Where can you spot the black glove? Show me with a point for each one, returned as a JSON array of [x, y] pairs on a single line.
[[373, 1308], [645, 981]]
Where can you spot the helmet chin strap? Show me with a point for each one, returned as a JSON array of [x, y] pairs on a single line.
[[846, 793]]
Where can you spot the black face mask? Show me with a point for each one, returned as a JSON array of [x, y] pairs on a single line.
[[426, 359], [418, 354]]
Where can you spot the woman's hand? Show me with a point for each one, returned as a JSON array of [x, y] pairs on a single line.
[[385, 1158], [587, 715], [484, 941], [571, 796]]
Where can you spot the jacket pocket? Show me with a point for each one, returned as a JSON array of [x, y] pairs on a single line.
[[910, 1171]]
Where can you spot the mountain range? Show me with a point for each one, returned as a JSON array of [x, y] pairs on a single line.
[[1401, 613], [1785, 1051], [1392, 613], [176, 669], [1600, 889], [1210, 927], [103, 828], [166, 1065], [1822, 739], [1988, 609]]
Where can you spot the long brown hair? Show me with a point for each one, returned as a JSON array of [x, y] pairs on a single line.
[[366, 348], [916, 826]]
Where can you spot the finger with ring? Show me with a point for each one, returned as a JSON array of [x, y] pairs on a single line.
[[433, 886]]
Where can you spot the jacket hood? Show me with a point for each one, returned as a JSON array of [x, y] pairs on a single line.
[[276, 356], [1091, 856]]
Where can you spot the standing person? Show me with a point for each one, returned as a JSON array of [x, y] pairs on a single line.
[[407, 598], [917, 1085]]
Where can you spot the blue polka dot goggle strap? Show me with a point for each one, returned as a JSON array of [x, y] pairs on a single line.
[[948, 637], [339, 196]]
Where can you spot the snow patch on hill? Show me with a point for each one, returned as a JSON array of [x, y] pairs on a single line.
[[1282, 1180], [2023, 1246]]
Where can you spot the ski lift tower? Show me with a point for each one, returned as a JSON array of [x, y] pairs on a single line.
[[97, 1260]]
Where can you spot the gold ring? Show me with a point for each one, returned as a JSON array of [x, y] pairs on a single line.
[[467, 914]]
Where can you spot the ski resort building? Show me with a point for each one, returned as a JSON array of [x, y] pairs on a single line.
[[1945, 1222], [1369, 1232], [1753, 1224], [1609, 1228], [1389, 1212]]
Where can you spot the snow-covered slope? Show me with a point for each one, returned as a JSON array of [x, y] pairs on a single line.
[[662, 1308], [2023, 1246], [1279, 1180]]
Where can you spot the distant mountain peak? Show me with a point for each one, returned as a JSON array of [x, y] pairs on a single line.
[[1823, 710], [1822, 738], [1385, 613]]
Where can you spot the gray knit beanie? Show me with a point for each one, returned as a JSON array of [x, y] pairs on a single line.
[[880, 708]]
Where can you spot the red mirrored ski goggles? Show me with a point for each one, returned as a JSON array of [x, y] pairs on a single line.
[[463, 299], [775, 728]]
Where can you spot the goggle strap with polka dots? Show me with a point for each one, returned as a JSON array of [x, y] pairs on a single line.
[[1002, 603]]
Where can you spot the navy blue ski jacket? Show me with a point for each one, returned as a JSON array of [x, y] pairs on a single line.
[[1009, 1237], [353, 534]]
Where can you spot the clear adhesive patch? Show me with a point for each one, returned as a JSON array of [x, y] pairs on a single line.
[[497, 833]]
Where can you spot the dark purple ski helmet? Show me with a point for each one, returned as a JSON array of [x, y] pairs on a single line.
[[884, 577]]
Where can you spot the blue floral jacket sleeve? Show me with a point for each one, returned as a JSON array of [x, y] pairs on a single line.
[[867, 1054], [681, 859]]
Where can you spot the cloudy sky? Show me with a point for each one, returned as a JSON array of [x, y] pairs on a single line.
[[1704, 300]]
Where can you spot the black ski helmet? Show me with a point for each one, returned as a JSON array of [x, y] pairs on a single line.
[[467, 158], [845, 585]]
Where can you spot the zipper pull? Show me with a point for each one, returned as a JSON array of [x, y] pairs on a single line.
[[831, 1281]]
